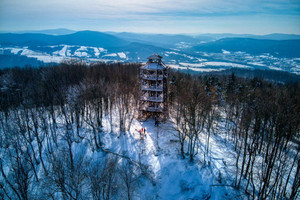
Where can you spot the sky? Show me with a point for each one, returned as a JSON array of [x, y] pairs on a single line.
[[155, 16]]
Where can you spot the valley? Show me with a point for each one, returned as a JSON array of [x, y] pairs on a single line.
[[181, 52]]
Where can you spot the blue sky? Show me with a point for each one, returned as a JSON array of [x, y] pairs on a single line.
[[155, 16]]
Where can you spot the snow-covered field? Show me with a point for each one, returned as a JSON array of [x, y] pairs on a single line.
[[210, 66]]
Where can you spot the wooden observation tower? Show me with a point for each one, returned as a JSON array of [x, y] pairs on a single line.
[[153, 97]]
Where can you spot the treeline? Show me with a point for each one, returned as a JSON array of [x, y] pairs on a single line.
[[275, 76], [45, 110]]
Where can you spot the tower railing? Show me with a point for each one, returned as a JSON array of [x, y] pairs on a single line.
[[155, 99], [152, 77], [156, 88]]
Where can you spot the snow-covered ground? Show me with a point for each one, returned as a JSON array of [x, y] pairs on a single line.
[[171, 176], [174, 177], [122, 55]]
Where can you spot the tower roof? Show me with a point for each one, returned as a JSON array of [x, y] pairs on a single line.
[[154, 63], [155, 57]]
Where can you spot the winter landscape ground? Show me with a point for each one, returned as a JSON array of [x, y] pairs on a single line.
[[72, 132]]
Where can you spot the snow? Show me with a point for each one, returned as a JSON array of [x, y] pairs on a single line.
[[173, 177], [193, 64], [53, 46], [69, 53], [240, 52], [176, 66], [82, 48], [190, 57], [256, 63], [206, 69], [227, 64], [195, 67], [42, 56], [27, 52], [16, 50], [48, 59], [225, 52], [275, 68], [122, 55], [178, 178], [221, 64], [81, 52], [263, 56], [295, 70], [111, 55], [172, 52], [201, 59], [102, 49], [63, 51], [183, 45], [97, 52]]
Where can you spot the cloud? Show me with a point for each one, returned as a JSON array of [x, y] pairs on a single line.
[[120, 12], [118, 8]]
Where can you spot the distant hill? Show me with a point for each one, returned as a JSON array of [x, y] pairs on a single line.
[[26, 39], [279, 36], [85, 38], [58, 31], [273, 36], [138, 51], [279, 48], [162, 40], [92, 38]]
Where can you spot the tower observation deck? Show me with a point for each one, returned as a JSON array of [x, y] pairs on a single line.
[[153, 96]]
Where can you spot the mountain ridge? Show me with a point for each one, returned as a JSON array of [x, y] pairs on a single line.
[[88, 38], [281, 48]]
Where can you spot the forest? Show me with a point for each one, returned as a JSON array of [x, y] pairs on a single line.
[[46, 111]]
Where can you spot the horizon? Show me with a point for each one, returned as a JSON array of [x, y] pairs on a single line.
[[157, 16], [108, 32]]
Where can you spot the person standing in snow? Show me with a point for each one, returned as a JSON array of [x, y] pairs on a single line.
[[141, 132]]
